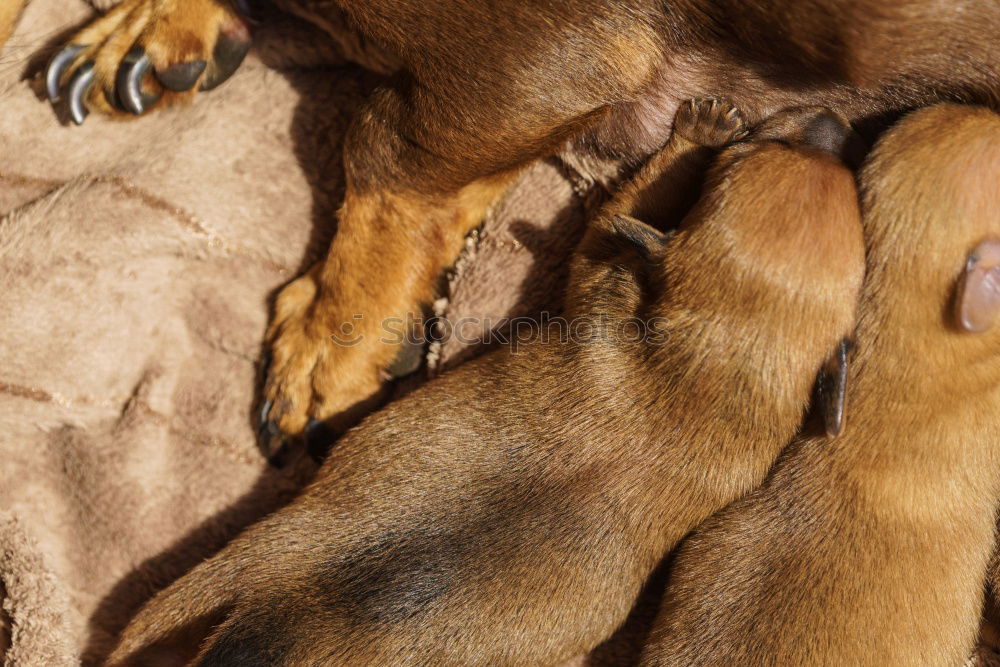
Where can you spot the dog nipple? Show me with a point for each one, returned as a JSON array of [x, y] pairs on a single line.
[[978, 299], [827, 132]]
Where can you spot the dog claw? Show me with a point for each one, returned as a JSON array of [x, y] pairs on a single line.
[[833, 389], [128, 83], [318, 437], [182, 76], [57, 66], [79, 87], [269, 437], [262, 422], [226, 58]]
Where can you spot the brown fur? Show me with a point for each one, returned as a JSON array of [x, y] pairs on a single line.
[[873, 549], [497, 516], [485, 88]]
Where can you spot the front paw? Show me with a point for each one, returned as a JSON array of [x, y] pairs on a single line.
[[146, 53], [711, 123], [325, 369]]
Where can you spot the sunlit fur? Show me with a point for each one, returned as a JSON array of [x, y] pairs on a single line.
[[873, 549], [509, 512]]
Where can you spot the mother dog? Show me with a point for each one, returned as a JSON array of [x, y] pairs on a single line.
[[484, 88]]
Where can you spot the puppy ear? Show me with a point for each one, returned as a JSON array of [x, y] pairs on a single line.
[[637, 234], [831, 389], [977, 302]]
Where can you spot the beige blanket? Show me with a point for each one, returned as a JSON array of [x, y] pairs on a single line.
[[137, 263]]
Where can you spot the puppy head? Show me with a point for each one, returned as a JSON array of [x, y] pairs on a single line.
[[931, 200], [774, 251], [762, 277]]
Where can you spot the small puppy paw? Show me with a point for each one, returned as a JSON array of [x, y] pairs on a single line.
[[711, 123]]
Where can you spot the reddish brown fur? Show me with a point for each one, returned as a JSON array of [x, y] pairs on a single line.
[[498, 515], [485, 88], [873, 549]]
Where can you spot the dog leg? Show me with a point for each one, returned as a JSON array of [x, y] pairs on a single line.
[[330, 337], [417, 182]]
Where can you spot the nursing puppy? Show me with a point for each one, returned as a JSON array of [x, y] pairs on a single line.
[[874, 548], [485, 88], [509, 512]]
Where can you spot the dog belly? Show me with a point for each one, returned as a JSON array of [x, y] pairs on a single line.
[[634, 129]]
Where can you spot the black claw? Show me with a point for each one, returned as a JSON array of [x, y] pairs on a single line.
[[270, 439], [262, 422], [182, 76], [77, 90], [319, 437], [226, 59], [832, 389], [57, 66], [128, 83]]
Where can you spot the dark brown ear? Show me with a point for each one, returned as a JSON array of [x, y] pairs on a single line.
[[831, 389], [637, 234], [977, 302]]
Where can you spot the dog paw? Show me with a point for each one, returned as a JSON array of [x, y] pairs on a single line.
[[711, 123], [323, 371], [147, 53]]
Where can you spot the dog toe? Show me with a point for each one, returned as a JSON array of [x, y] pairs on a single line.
[[314, 388], [129, 82], [181, 77], [58, 66], [80, 85], [710, 122], [270, 439], [230, 50]]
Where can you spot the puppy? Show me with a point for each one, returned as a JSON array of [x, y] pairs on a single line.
[[510, 512], [873, 548], [483, 89]]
